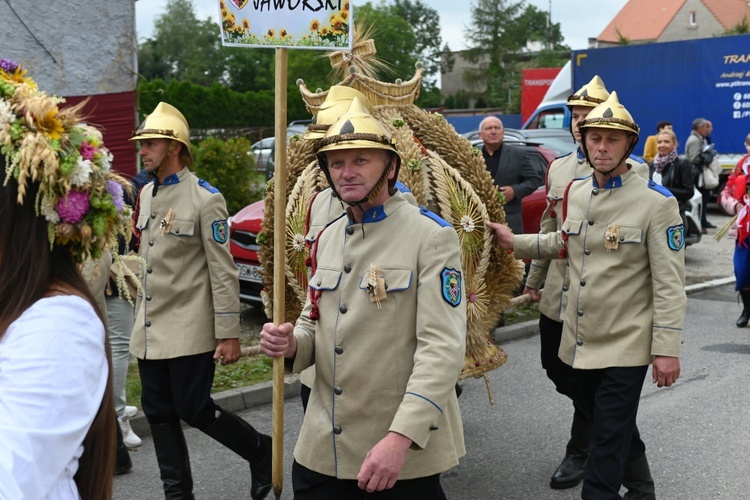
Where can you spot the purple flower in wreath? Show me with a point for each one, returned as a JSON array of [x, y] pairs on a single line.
[[87, 151], [115, 189], [8, 65], [73, 207]]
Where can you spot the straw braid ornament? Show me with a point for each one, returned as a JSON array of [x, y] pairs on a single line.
[[445, 173]]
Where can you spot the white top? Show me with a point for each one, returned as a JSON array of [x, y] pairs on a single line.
[[53, 372]]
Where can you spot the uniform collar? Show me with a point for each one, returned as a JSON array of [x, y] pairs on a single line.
[[615, 182], [176, 177], [381, 212]]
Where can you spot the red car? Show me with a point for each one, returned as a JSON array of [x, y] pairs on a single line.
[[243, 232]]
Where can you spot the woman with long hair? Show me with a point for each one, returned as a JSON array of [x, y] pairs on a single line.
[[59, 205]]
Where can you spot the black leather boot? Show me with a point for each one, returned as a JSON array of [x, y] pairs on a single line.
[[123, 463], [637, 479], [174, 461], [240, 437], [745, 316], [570, 471]]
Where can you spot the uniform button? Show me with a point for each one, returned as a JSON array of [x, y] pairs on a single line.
[[595, 192], [587, 252], [347, 268], [151, 243], [580, 313], [339, 349], [591, 222], [176, 231], [148, 323], [320, 282], [338, 390], [343, 309], [350, 230], [149, 270], [565, 289], [336, 429], [433, 427], [579, 342], [148, 298], [622, 238], [153, 216], [583, 282]]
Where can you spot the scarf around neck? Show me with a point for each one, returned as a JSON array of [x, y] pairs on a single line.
[[662, 161]]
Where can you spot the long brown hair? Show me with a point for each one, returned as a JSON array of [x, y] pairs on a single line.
[[29, 269]]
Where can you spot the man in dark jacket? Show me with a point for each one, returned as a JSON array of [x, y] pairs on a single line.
[[511, 168]]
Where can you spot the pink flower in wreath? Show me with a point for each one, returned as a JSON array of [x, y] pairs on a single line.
[[73, 207], [87, 151]]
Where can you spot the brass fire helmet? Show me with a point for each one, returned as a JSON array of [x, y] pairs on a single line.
[[612, 115], [337, 102], [166, 122], [358, 129]]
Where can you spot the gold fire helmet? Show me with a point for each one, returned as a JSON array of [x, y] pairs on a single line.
[[356, 129], [611, 114], [590, 95], [166, 122], [337, 102]]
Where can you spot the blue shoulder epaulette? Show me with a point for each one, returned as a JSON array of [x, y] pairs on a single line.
[[402, 187], [659, 188], [636, 158], [434, 216], [563, 156], [205, 185]]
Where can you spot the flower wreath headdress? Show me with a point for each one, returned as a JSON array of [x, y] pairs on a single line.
[[79, 194]]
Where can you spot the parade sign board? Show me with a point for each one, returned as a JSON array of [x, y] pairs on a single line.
[[298, 24]]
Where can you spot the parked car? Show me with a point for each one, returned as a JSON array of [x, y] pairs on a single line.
[[244, 227], [261, 152], [558, 140]]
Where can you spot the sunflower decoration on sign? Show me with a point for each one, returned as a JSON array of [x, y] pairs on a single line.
[[442, 171]]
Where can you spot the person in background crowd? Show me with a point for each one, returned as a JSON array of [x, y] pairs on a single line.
[[672, 171], [694, 146], [187, 317], [622, 236], [734, 200], [511, 168], [60, 205], [650, 148], [396, 426]]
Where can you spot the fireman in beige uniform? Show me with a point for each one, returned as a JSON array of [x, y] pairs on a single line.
[[187, 316], [623, 239], [385, 327], [552, 274]]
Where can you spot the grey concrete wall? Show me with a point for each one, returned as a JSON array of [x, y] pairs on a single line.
[[91, 43]]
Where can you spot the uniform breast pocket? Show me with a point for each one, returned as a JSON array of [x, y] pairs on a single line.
[[622, 238], [142, 221], [325, 279], [572, 226], [388, 280], [182, 228]]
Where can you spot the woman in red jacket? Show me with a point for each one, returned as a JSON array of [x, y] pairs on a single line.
[[734, 200]]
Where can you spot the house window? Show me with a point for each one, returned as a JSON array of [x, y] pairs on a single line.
[[692, 18]]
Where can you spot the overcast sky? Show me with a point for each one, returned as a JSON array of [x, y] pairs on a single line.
[[579, 19]]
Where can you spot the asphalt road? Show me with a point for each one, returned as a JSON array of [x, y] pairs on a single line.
[[696, 432]]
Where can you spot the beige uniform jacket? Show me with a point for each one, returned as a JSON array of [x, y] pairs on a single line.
[[627, 304], [190, 294], [553, 274], [324, 209], [384, 369]]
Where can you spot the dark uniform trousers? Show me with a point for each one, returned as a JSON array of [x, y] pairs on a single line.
[[310, 485], [611, 395], [561, 374], [178, 389]]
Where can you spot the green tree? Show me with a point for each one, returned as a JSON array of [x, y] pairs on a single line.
[[425, 22], [741, 28], [183, 47]]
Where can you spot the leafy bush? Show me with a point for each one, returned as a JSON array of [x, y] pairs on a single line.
[[227, 166]]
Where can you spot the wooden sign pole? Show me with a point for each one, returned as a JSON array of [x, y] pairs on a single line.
[[279, 264]]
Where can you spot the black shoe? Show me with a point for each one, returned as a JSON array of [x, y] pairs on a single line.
[[570, 472], [708, 225], [123, 463], [260, 472], [743, 319]]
